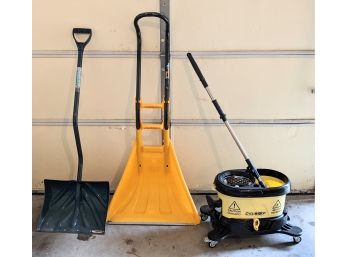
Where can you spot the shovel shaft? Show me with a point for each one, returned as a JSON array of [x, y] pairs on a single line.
[[77, 134], [80, 49]]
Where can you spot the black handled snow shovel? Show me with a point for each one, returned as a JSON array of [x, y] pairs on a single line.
[[75, 206], [251, 168]]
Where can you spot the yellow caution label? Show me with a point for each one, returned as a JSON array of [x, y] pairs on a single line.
[[252, 207], [234, 208]]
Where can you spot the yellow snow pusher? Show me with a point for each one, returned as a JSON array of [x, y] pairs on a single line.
[[152, 189]]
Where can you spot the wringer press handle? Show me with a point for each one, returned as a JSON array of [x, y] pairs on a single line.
[[251, 167]]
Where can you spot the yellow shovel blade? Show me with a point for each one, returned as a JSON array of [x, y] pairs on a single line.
[[152, 193]]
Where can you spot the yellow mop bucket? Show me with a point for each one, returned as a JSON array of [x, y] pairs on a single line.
[[152, 189], [252, 201]]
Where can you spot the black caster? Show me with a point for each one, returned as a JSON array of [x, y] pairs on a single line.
[[297, 239], [204, 217], [211, 243]]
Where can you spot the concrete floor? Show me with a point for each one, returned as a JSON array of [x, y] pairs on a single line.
[[152, 241]]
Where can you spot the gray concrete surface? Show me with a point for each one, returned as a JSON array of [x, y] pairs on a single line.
[[153, 241]]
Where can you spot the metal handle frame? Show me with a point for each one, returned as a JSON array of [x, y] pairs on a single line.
[[166, 68]]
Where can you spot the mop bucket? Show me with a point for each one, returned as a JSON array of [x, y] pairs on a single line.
[[252, 201]]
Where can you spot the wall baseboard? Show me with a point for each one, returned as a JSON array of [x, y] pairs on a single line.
[[205, 192]]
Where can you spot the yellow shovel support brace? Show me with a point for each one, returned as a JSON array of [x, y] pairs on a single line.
[[165, 133], [152, 105]]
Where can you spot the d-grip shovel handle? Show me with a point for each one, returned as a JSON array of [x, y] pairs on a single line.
[[166, 67], [80, 49], [81, 45], [251, 168]]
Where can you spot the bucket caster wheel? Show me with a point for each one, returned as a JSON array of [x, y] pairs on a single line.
[[204, 217], [297, 239], [211, 243]]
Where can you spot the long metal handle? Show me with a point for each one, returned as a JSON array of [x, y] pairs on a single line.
[[166, 67], [80, 48], [251, 167]]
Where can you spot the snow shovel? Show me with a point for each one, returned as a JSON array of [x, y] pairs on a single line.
[[75, 206], [152, 189]]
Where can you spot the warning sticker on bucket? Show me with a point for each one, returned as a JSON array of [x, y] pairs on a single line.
[[276, 207], [234, 209]]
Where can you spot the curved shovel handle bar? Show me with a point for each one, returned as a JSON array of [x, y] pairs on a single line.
[[81, 45], [166, 67]]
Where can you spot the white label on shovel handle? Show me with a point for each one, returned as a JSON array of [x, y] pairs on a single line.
[[78, 77]]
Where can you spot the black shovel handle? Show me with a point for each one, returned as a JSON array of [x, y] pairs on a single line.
[[80, 48], [166, 67], [81, 44]]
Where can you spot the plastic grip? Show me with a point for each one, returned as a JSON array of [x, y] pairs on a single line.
[[220, 111], [82, 31], [197, 70], [81, 45]]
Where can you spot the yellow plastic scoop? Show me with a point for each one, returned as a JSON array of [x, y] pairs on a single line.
[[154, 193]]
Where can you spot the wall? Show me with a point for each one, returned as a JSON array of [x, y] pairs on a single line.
[[258, 57]]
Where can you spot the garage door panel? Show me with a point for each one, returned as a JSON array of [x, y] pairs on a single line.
[[110, 20], [242, 25], [201, 151], [279, 88], [107, 90], [247, 88], [205, 151]]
